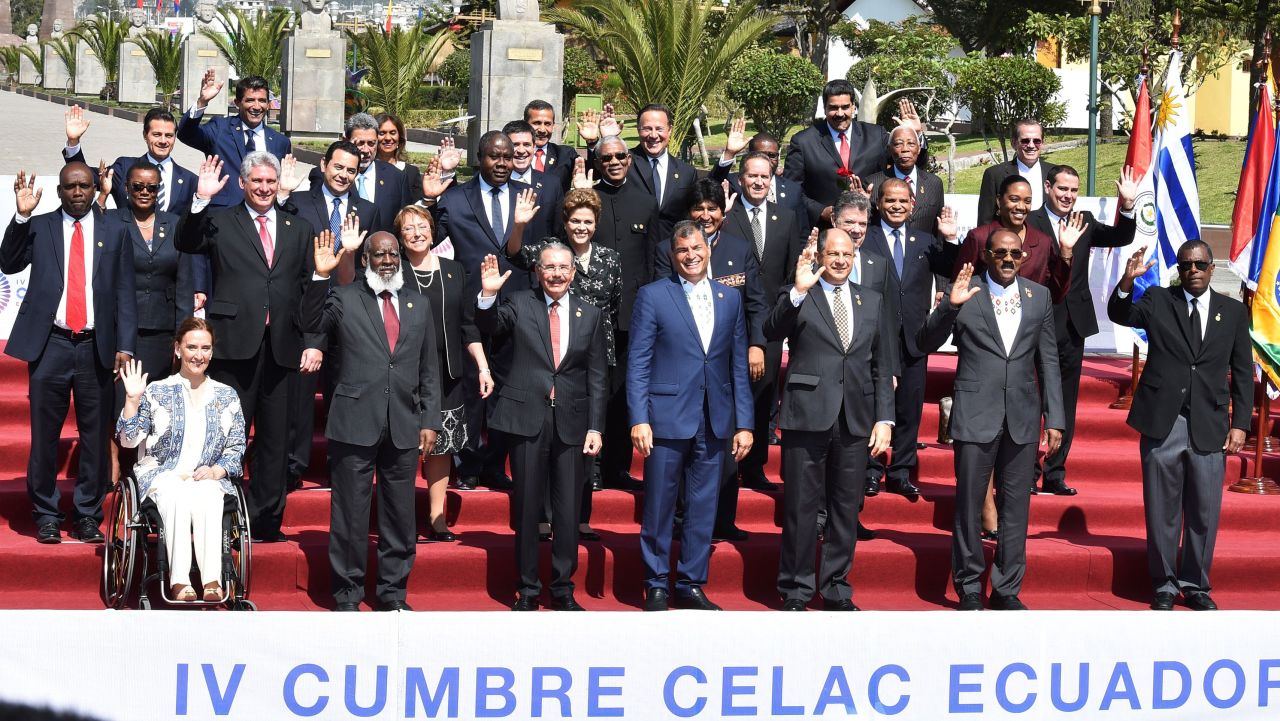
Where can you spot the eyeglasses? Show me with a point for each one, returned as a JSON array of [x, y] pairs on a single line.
[[770, 156], [152, 188], [1031, 141], [606, 157], [1185, 265], [1002, 253], [556, 268]]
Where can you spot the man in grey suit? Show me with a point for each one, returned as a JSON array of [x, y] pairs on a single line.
[[385, 413], [1196, 337], [1003, 329], [837, 332]]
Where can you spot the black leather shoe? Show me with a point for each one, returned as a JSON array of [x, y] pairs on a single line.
[[793, 604], [276, 537], [864, 533], [839, 604], [466, 483], [597, 484], [624, 482], [1163, 601], [695, 600], [567, 603], [1007, 603], [48, 533], [394, 606], [732, 533], [1057, 489], [86, 531], [903, 488], [525, 603], [656, 599], [588, 535], [1198, 601], [496, 482], [347, 607], [293, 484], [773, 438], [971, 602], [757, 481], [874, 486]]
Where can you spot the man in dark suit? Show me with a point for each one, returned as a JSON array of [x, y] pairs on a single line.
[[177, 184], [548, 157], [664, 176], [629, 224], [786, 193], [837, 407], [776, 238], [927, 194], [232, 139], [549, 220], [1196, 338], [818, 153], [1074, 315], [376, 181], [262, 263], [386, 339], [688, 395], [1003, 330], [75, 328], [551, 406], [1028, 141]]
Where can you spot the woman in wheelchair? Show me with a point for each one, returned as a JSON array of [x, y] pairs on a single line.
[[194, 437]]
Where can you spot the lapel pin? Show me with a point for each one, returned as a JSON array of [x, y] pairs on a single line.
[[449, 274], [857, 298], [675, 175], [408, 305], [1027, 291], [99, 243], [773, 217], [870, 262], [718, 294], [731, 262], [782, 195], [551, 161], [179, 181], [287, 223], [1217, 316], [579, 313], [911, 238], [380, 182]]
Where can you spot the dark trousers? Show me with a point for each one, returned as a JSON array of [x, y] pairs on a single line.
[[823, 469], [1070, 360], [68, 370], [615, 456], [1014, 465], [908, 406], [487, 458], [1181, 497], [698, 462], [263, 386], [302, 411], [352, 470], [543, 465], [764, 393]]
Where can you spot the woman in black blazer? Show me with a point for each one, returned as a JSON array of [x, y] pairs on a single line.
[[443, 281]]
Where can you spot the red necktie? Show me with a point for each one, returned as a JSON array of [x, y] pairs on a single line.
[[537, 160], [268, 245], [554, 318], [390, 320], [844, 151], [77, 316]]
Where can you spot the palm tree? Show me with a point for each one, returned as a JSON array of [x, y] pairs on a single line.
[[666, 51], [397, 62], [104, 38], [10, 58], [164, 52], [34, 53], [253, 44]]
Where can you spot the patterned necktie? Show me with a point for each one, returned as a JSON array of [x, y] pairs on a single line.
[[390, 321], [844, 150], [1196, 331], [840, 314], [160, 193], [657, 181], [248, 141], [757, 231], [77, 314], [538, 160], [897, 251], [335, 224], [495, 213]]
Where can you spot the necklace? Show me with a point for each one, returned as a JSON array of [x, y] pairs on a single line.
[[148, 225], [417, 278]]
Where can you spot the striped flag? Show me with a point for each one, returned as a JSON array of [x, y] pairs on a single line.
[[1258, 193], [389, 15]]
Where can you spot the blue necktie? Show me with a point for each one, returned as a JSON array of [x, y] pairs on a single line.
[[335, 224], [897, 251]]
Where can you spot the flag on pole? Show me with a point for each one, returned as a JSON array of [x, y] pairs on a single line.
[[1257, 195], [389, 15]]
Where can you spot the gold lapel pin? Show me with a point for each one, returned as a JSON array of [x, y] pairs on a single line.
[[1027, 291], [857, 299], [1217, 316], [675, 175], [911, 238], [179, 181], [718, 294], [409, 305], [287, 223], [380, 182], [773, 217], [99, 243], [551, 161], [579, 313], [449, 274], [731, 262]]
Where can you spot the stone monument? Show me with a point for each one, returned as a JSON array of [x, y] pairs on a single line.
[[199, 53], [26, 69], [514, 59], [57, 29], [56, 76], [136, 79], [314, 82], [90, 75], [57, 15]]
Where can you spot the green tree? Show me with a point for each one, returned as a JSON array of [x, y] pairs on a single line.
[[397, 62], [811, 25], [778, 90], [104, 37], [254, 43], [23, 13], [995, 26], [908, 54], [1003, 90], [164, 52], [456, 68], [662, 49], [581, 73]]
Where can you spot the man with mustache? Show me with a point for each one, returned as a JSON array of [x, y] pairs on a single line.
[[549, 157]]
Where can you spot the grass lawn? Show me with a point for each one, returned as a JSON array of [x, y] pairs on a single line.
[[1217, 173]]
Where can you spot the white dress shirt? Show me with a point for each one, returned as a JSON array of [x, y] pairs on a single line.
[[1202, 303], [90, 247], [1007, 305], [703, 308], [344, 204], [526, 177], [1034, 176]]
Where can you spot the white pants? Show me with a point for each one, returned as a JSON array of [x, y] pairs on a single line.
[[192, 514]]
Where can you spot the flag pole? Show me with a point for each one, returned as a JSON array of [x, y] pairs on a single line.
[[1260, 400], [1125, 401]]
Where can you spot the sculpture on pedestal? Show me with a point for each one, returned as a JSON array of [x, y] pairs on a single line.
[[206, 12], [520, 10], [57, 29], [32, 38], [315, 18], [137, 22]]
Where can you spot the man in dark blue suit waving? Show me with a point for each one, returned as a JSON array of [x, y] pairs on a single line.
[[688, 395]]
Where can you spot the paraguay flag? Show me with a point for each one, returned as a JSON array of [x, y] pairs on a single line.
[[1256, 199]]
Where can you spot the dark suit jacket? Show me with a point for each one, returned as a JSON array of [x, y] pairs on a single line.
[[733, 263], [311, 206], [463, 216], [823, 379], [670, 379], [1174, 375], [454, 314], [178, 198], [991, 179], [412, 184], [812, 159], [244, 287], [629, 224], [558, 163], [550, 218], [388, 198], [377, 389], [994, 388], [677, 187], [911, 295], [876, 274], [929, 195], [164, 278], [1042, 263], [37, 244], [224, 137], [580, 381], [789, 194], [1077, 307], [782, 243]]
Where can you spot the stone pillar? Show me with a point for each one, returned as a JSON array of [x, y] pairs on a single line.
[[314, 83], [90, 75], [27, 74], [64, 10], [198, 55], [56, 76], [137, 79], [512, 62], [6, 19]]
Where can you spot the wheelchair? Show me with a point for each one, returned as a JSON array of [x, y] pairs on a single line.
[[135, 548]]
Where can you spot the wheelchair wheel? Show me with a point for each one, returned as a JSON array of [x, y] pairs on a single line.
[[244, 605], [241, 552], [122, 546]]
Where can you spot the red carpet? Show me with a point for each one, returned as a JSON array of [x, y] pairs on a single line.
[[1084, 552]]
